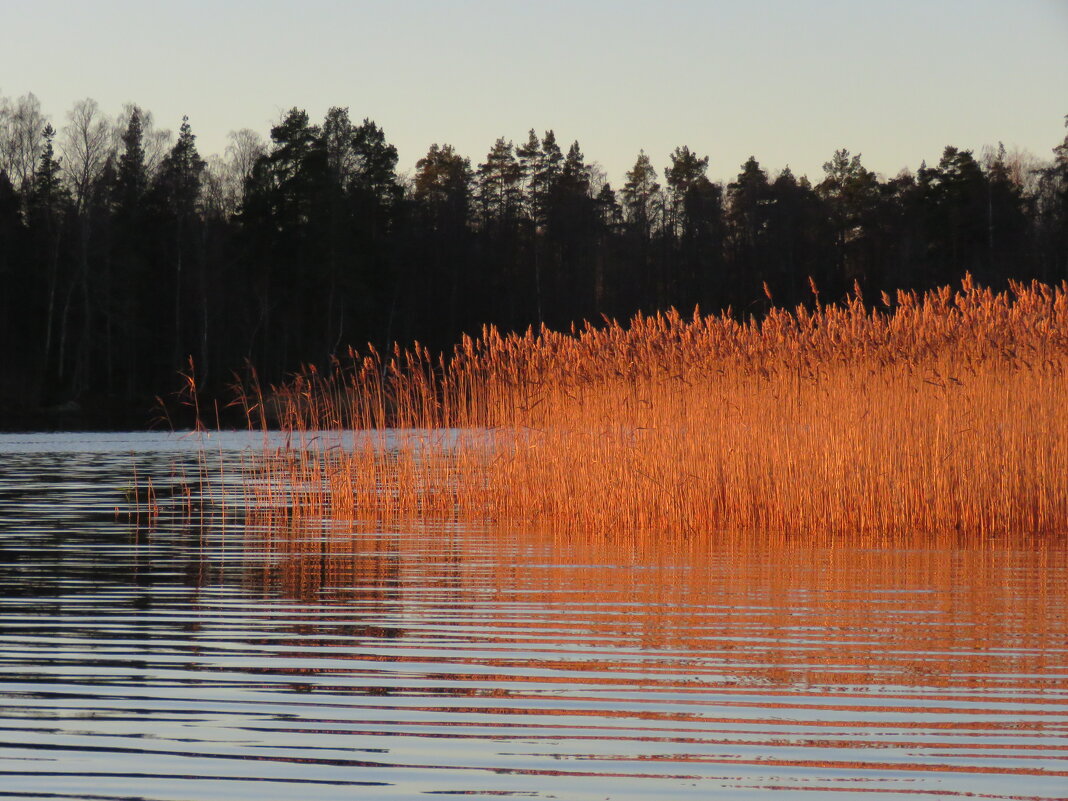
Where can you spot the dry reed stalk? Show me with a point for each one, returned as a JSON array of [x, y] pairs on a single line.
[[941, 412]]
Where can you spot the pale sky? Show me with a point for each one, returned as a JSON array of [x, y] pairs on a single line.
[[789, 81]]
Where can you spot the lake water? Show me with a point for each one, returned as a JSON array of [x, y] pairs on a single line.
[[224, 660]]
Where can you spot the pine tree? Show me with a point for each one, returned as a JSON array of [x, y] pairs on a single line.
[[336, 142], [571, 211], [608, 209], [498, 185], [960, 211], [443, 183], [529, 157], [641, 195], [748, 210], [852, 197], [376, 172], [546, 173], [575, 175], [683, 176]]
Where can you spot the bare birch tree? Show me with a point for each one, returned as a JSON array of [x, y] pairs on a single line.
[[245, 149], [86, 143], [21, 143]]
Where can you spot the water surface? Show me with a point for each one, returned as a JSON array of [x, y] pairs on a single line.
[[226, 660]]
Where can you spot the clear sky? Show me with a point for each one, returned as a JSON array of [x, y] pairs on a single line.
[[788, 81]]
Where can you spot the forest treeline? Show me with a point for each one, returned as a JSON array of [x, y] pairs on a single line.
[[124, 252]]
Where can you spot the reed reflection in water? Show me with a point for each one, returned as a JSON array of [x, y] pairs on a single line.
[[394, 661]]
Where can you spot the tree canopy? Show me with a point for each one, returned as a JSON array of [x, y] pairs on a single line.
[[124, 252]]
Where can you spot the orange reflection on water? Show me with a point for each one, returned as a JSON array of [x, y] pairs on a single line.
[[858, 657]]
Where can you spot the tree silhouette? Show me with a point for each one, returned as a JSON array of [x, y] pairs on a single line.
[[47, 209], [125, 252], [748, 211], [852, 197], [439, 257], [571, 228], [175, 195], [694, 224]]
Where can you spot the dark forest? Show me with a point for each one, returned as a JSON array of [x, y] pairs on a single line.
[[124, 254]]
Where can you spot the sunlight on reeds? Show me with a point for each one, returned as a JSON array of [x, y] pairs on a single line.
[[936, 413]]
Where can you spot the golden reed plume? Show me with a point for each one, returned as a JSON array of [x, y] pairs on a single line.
[[946, 412]]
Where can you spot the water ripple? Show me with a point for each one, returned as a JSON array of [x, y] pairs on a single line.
[[189, 662]]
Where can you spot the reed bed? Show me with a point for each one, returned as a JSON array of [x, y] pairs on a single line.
[[942, 412]]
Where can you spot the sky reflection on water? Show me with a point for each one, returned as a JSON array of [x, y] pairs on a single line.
[[226, 660]]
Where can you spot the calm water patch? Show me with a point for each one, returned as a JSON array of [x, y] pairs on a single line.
[[229, 660]]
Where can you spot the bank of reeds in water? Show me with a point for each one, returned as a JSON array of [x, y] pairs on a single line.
[[935, 413]]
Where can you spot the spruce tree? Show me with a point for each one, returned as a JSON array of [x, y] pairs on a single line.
[[180, 174], [47, 205], [132, 176]]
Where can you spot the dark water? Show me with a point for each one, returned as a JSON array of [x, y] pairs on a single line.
[[182, 661]]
